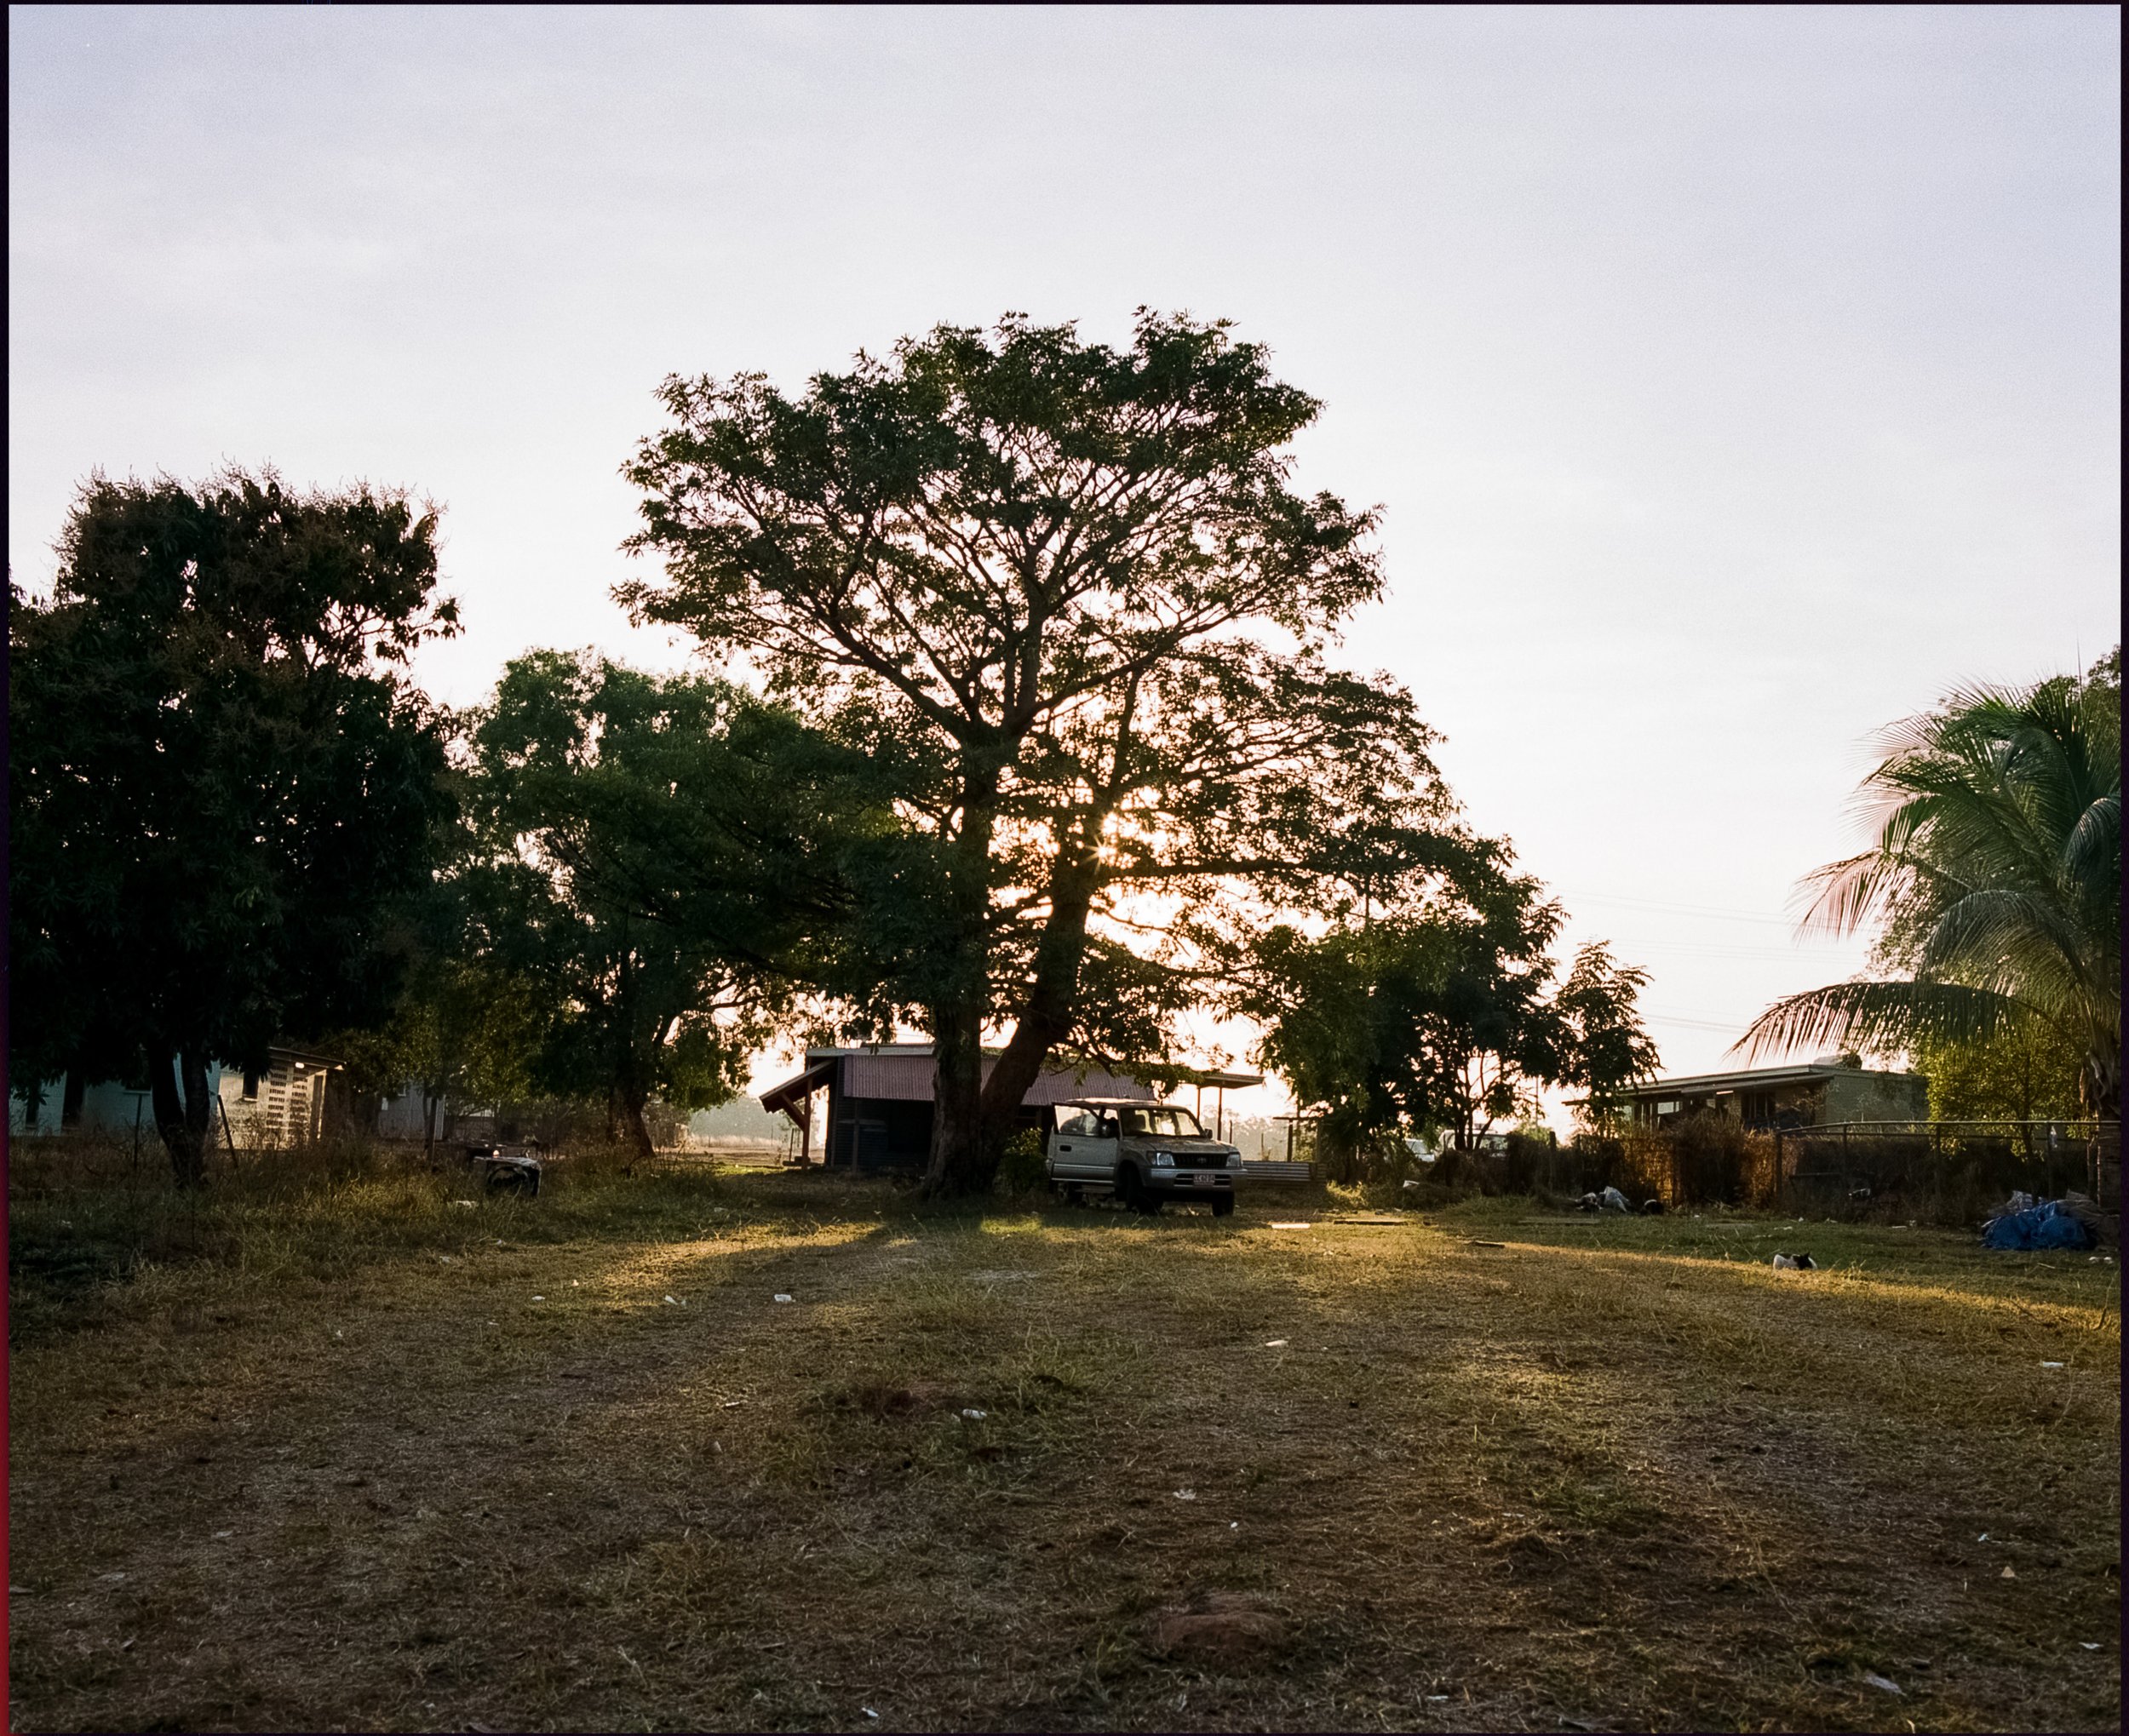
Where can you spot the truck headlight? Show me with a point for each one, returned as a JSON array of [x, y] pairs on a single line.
[[1164, 1160]]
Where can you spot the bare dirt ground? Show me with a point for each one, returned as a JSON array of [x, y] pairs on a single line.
[[570, 1464]]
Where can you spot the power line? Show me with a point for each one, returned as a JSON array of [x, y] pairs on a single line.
[[1712, 912]]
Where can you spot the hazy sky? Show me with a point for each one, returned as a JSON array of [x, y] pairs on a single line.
[[1733, 381]]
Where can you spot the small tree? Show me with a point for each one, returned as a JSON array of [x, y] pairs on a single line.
[[1437, 1009], [220, 781], [1607, 1047]]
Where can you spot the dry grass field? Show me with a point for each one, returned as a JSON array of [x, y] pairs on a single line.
[[333, 1450]]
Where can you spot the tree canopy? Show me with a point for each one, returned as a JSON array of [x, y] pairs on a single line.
[[220, 784], [1063, 598], [1995, 879], [2023, 1071]]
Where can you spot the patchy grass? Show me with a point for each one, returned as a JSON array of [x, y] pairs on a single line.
[[339, 1451]]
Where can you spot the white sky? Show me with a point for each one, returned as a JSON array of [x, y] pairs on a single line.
[[1733, 381]]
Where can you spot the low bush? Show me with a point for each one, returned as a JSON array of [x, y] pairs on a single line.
[[1021, 1170]]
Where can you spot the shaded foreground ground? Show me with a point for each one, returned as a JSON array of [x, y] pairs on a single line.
[[568, 1463]]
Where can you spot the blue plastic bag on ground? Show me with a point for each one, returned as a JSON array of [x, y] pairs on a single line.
[[2044, 1226]]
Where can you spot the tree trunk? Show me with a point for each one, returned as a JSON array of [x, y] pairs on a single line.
[[181, 1122], [633, 1131], [2101, 1087], [1045, 1016], [70, 1095], [959, 1163]]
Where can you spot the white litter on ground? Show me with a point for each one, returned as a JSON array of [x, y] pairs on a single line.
[[779, 1296], [1289, 1226], [1186, 1494], [1275, 1343]]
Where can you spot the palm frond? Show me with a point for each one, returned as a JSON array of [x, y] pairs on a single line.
[[2094, 845], [1880, 1017]]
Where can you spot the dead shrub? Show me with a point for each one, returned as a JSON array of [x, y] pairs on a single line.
[[1709, 1160]]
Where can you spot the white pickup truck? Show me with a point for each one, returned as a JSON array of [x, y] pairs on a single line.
[[1144, 1154]]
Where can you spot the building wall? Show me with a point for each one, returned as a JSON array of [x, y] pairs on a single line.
[[108, 1109], [288, 1109], [1877, 1097], [400, 1115]]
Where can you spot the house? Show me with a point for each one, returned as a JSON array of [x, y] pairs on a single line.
[[1821, 1093], [283, 1104], [406, 1115], [878, 1112]]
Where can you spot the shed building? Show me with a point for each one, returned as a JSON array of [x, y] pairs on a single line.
[[877, 1112]]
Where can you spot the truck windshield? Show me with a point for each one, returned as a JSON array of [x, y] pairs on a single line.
[[1162, 1124]]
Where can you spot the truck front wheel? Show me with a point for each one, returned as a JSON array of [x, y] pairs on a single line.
[[1135, 1194]]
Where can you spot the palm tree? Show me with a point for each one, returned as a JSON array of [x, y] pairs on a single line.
[[1996, 874]]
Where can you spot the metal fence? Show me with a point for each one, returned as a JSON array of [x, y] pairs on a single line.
[[1945, 1169]]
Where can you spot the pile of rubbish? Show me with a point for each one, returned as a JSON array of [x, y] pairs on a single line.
[[2024, 1222], [508, 1169], [1611, 1199]]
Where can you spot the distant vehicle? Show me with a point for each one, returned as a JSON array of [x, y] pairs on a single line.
[[1144, 1154]]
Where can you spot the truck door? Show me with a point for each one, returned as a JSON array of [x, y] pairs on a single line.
[[1079, 1151]]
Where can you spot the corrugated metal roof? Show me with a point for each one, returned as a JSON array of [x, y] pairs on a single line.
[[906, 1074], [1756, 1077]]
